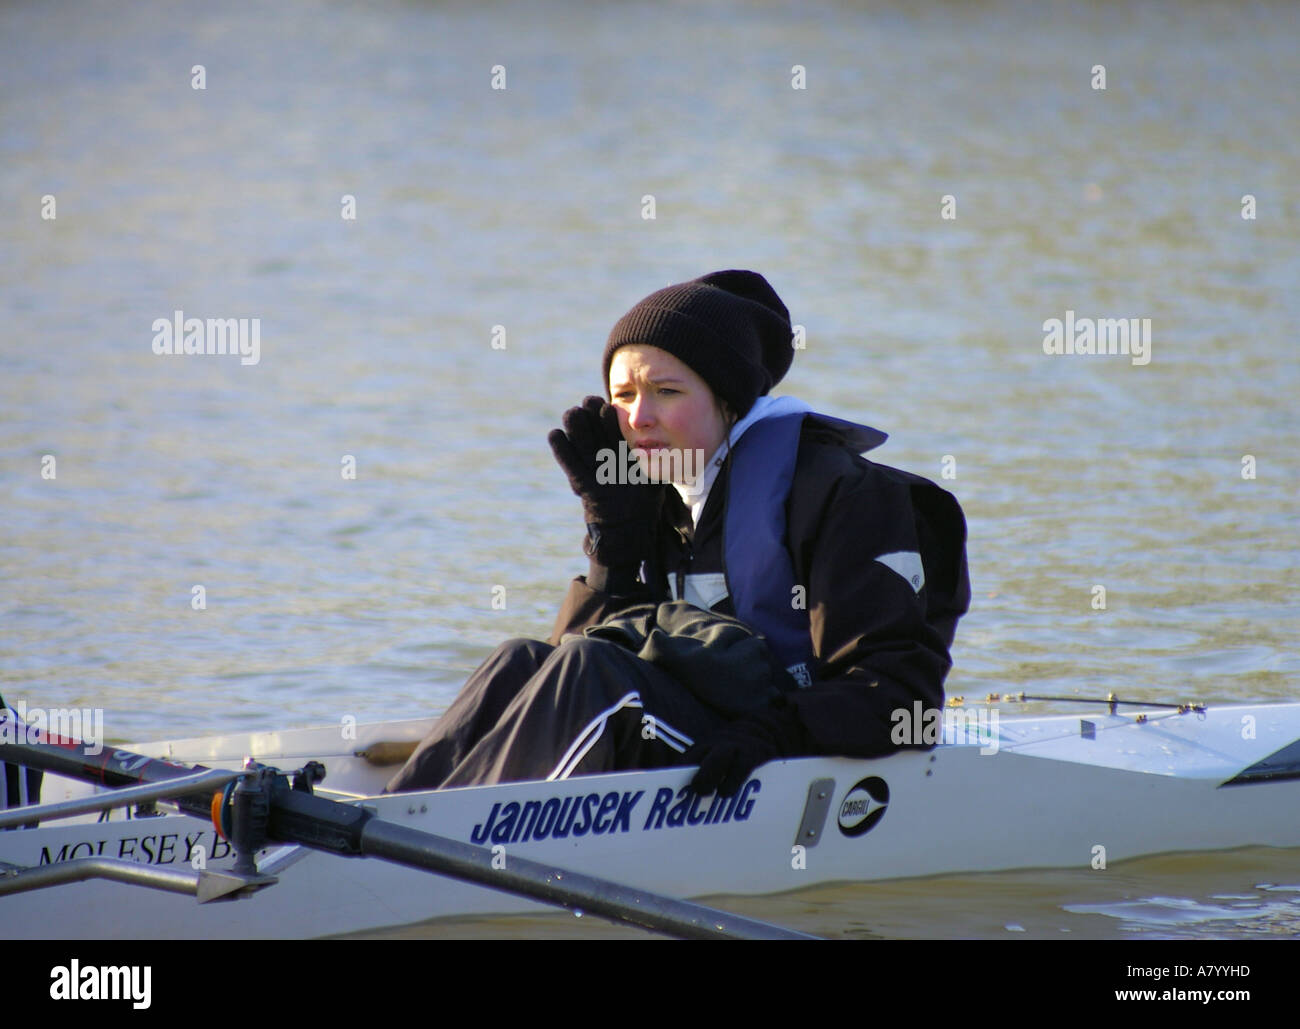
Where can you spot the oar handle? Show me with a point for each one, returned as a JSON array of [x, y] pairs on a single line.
[[388, 752]]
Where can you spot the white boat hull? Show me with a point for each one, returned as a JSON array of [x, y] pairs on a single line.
[[1063, 791]]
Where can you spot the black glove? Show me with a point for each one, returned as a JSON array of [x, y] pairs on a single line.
[[728, 754], [620, 517]]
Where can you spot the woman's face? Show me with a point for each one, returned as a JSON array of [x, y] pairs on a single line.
[[670, 418]]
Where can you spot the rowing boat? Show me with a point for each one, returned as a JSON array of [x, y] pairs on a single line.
[[1058, 791]]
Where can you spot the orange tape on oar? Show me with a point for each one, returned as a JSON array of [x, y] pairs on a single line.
[[221, 810], [216, 813]]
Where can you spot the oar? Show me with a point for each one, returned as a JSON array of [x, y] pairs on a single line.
[[265, 807]]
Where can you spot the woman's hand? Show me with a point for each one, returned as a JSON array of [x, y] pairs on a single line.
[[620, 516], [728, 756]]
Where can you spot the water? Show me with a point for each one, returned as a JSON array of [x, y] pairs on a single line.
[[1228, 896], [372, 597]]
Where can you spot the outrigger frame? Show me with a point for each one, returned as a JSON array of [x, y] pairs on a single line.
[[261, 804]]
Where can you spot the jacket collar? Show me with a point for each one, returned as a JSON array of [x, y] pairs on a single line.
[[861, 437]]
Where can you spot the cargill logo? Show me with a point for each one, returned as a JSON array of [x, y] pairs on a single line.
[[863, 806]]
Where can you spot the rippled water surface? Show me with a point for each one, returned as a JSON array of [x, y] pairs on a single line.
[[522, 208]]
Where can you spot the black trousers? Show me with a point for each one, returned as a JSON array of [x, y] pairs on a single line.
[[533, 711]]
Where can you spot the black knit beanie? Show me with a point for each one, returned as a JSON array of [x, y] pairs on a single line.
[[729, 327]]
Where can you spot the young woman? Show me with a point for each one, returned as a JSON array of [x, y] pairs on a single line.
[[756, 589]]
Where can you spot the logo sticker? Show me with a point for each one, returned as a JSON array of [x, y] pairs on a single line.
[[906, 563], [863, 806]]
